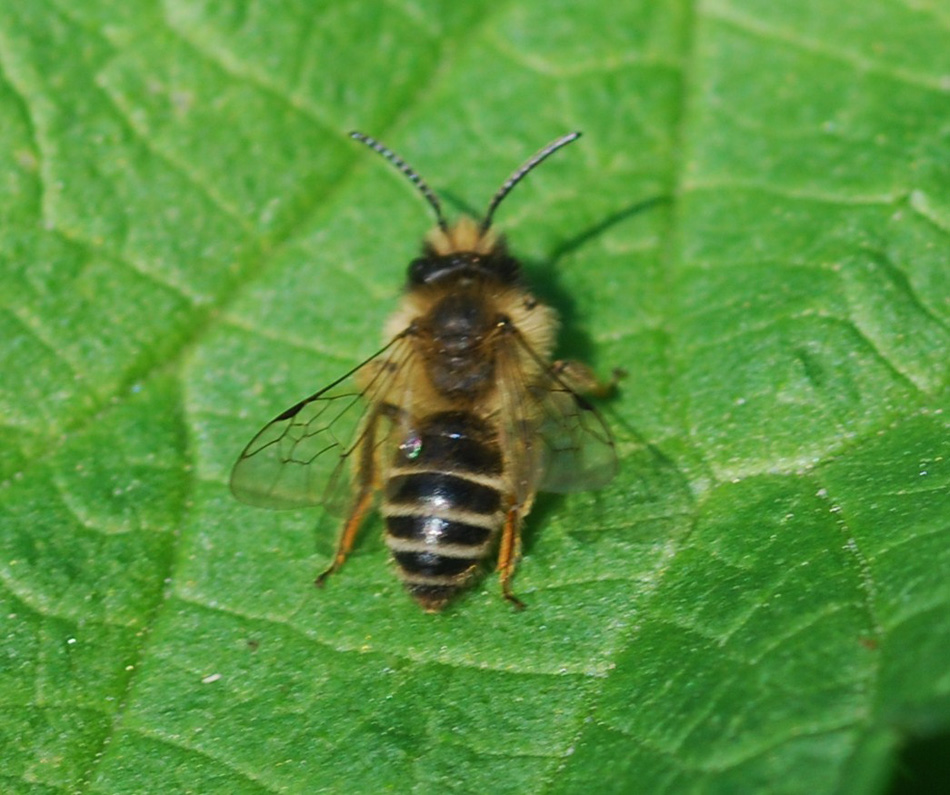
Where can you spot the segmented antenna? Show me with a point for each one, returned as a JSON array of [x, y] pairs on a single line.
[[520, 174], [408, 171]]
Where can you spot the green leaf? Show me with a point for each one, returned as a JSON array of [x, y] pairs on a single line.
[[755, 226]]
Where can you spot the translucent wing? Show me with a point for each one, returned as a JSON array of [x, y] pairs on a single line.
[[578, 451], [555, 438], [302, 457]]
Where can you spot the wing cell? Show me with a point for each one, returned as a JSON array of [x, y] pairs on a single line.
[[302, 457], [554, 437]]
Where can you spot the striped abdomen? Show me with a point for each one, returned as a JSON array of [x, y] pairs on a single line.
[[443, 504]]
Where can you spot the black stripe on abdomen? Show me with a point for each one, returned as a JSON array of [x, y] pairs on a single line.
[[435, 492], [451, 441], [436, 530], [429, 563]]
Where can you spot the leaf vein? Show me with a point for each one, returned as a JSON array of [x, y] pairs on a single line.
[[606, 64], [123, 258], [32, 326], [241, 72], [361, 646], [859, 63], [179, 744], [181, 167], [719, 186]]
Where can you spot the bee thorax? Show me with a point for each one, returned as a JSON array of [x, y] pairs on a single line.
[[459, 320], [460, 362]]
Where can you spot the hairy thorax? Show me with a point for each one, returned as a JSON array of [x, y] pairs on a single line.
[[458, 337], [471, 335]]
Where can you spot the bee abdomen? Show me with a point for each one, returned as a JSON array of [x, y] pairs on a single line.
[[432, 530], [437, 490], [443, 505]]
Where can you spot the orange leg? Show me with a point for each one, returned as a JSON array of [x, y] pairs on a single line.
[[352, 526], [508, 554], [366, 473]]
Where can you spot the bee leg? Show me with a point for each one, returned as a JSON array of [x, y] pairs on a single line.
[[582, 379], [348, 536], [366, 474], [508, 554]]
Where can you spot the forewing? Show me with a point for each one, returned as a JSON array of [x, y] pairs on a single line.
[[577, 450], [555, 439], [303, 457]]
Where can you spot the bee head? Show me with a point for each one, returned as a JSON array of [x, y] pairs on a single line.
[[463, 251]]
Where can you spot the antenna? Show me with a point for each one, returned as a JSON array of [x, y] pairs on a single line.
[[521, 173], [408, 171]]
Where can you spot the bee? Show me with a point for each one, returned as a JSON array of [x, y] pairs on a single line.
[[459, 419]]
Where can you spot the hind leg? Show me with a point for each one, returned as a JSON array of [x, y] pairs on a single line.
[[508, 554]]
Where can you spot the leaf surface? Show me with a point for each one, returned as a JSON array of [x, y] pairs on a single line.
[[754, 226]]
